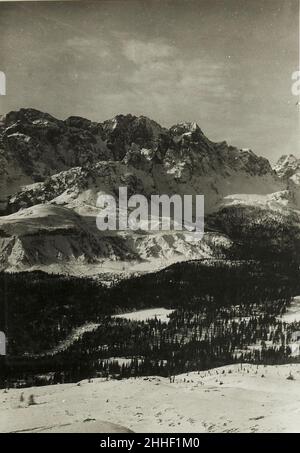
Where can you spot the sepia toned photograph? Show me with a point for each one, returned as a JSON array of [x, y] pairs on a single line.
[[149, 219]]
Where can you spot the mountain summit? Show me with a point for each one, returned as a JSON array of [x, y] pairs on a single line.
[[34, 146], [52, 172], [287, 166]]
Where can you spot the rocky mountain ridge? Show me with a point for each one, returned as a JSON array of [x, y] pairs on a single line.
[[53, 171], [35, 145]]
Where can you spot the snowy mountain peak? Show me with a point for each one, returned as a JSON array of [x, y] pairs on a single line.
[[186, 128], [52, 172], [287, 166], [34, 146], [28, 115], [129, 121]]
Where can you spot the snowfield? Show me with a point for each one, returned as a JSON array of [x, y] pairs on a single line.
[[293, 312], [234, 398], [161, 314]]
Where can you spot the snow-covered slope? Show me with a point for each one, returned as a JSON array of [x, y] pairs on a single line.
[[48, 234], [235, 398], [53, 171]]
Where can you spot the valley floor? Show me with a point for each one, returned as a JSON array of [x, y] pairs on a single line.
[[234, 398]]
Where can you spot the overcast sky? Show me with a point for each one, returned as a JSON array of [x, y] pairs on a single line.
[[226, 64]]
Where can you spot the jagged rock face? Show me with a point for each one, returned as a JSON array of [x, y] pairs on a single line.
[[123, 131], [79, 187], [287, 166], [35, 145], [288, 169], [65, 165]]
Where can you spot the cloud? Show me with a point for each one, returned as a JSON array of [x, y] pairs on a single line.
[[140, 52], [180, 77], [96, 47], [162, 70]]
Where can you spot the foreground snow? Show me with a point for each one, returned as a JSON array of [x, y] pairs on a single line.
[[236, 398]]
